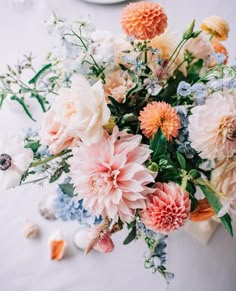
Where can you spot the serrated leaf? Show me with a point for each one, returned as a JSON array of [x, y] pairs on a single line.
[[158, 145], [216, 205], [181, 160], [39, 73], [131, 236]]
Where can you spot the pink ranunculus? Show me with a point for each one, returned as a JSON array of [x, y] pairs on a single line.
[[167, 208], [110, 176], [55, 135]]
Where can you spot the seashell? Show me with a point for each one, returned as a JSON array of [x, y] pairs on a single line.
[[46, 208], [31, 230], [57, 246], [81, 238]]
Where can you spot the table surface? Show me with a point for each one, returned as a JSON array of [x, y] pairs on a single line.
[[25, 264]]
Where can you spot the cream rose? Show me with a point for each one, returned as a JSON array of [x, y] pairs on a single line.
[[82, 109], [223, 177], [55, 135]]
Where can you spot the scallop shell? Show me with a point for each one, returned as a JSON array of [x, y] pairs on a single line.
[[57, 246], [31, 230]]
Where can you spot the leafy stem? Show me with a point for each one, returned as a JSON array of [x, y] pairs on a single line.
[[45, 161]]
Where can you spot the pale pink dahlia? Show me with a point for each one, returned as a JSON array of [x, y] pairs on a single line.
[[212, 127], [109, 175], [167, 208]]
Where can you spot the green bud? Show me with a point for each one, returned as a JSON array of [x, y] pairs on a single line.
[[189, 31], [196, 34], [153, 167]]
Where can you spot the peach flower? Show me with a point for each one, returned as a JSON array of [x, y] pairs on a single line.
[[166, 43], [215, 26], [159, 115], [143, 20], [55, 135], [212, 127], [117, 85], [223, 177], [167, 208], [200, 47]]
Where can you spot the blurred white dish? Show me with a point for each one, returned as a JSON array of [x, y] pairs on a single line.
[[105, 1]]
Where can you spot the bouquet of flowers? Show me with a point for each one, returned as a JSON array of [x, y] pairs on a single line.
[[138, 130]]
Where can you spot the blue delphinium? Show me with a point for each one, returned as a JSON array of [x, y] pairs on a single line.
[[71, 208], [184, 89], [215, 84], [199, 91], [230, 83], [183, 143]]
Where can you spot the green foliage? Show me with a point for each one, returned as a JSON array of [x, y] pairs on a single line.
[[131, 236], [33, 145], [194, 71], [39, 73], [158, 145], [23, 105], [63, 167], [216, 205], [67, 189], [181, 160]]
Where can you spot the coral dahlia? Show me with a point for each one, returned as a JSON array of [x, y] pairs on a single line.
[[143, 20], [159, 114], [109, 175], [167, 208]]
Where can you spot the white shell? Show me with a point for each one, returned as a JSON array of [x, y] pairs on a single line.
[[81, 238], [31, 230], [46, 208]]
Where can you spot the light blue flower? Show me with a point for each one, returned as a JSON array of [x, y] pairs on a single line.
[[199, 91], [184, 89], [219, 58], [216, 84], [71, 208], [229, 83]]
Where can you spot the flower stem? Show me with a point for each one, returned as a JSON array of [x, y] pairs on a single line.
[[45, 161]]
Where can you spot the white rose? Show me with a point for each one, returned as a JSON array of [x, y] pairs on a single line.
[[14, 161], [83, 109]]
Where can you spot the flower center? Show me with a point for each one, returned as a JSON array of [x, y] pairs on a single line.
[[231, 133], [5, 162]]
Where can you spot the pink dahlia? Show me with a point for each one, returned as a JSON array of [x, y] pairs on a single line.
[[110, 176], [212, 127], [167, 208]]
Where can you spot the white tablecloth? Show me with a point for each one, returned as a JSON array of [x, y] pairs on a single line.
[[24, 264]]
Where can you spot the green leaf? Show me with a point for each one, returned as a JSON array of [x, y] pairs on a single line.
[[33, 145], [181, 160], [40, 101], [2, 97], [67, 189], [22, 103], [131, 74], [194, 70], [216, 205], [39, 73], [56, 175], [158, 145], [194, 173], [131, 236]]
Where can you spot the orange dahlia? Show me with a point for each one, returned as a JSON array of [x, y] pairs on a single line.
[[143, 20], [159, 115]]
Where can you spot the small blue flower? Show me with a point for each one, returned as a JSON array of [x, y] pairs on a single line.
[[230, 83], [71, 208], [219, 58], [199, 91], [184, 89], [215, 85]]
